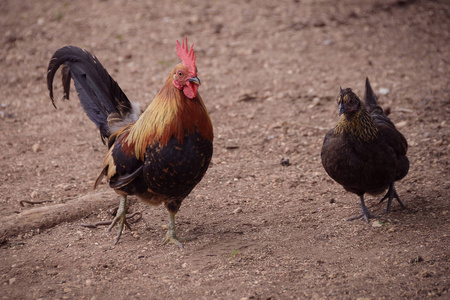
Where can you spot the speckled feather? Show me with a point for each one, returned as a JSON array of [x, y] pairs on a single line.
[[365, 153]]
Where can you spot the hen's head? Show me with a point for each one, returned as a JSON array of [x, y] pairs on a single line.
[[185, 74], [348, 102]]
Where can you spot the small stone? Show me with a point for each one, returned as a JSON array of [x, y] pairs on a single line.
[[231, 144], [315, 101], [319, 23], [237, 210], [377, 224], [88, 282], [36, 148], [201, 198], [34, 194], [401, 124], [12, 280], [438, 142], [416, 259], [194, 19], [284, 161], [383, 91], [425, 274]]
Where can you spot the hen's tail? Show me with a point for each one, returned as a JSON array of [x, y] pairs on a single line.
[[370, 99], [101, 97]]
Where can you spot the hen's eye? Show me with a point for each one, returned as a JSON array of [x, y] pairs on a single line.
[[180, 74]]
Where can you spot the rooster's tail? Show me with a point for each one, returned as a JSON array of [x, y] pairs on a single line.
[[101, 97]]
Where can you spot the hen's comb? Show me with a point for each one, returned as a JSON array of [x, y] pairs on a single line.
[[187, 56]]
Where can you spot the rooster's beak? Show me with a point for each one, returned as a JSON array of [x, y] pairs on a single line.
[[195, 80]]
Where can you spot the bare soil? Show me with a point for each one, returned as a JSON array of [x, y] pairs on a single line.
[[270, 72]]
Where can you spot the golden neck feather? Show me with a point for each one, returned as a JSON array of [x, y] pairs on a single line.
[[171, 113], [360, 125]]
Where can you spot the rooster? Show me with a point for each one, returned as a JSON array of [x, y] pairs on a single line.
[[365, 153], [159, 155]]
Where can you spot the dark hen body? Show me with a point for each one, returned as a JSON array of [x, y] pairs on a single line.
[[365, 153]]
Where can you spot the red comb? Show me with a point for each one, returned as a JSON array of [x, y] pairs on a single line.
[[187, 56]]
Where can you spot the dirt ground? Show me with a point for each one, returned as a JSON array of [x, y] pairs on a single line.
[[270, 72]]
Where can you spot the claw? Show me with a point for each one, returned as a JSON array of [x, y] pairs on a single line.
[[391, 194], [365, 213], [120, 218], [171, 237]]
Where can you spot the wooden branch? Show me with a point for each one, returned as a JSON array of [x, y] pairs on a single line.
[[48, 216]]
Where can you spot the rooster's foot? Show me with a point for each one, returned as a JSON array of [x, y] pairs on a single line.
[[121, 218], [171, 237]]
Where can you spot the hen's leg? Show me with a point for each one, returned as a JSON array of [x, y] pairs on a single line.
[[121, 218], [365, 213], [391, 194], [171, 237]]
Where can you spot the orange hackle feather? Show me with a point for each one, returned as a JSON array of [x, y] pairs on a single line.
[[170, 114]]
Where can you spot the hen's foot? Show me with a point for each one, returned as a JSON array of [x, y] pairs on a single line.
[[365, 213], [391, 194]]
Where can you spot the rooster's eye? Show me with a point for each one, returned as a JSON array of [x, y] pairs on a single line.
[[180, 73]]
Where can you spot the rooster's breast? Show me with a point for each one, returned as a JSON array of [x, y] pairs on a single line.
[[175, 169]]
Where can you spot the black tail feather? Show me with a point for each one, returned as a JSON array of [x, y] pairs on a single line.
[[99, 94], [371, 101]]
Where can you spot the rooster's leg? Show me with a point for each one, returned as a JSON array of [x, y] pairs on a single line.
[[171, 237], [365, 213], [391, 194], [121, 218]]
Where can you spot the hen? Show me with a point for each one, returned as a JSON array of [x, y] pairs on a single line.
[[159, 155], [365, 153]]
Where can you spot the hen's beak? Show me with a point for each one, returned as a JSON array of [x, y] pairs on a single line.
[[341, 108], [195, 80]]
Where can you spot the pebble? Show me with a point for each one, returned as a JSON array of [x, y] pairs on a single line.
[[237, 210], [376, 224], [401, 124], [314, 103], [201, 198], [383, 91], [425, 274], [12, 280], [36, 148], [231, 144], [284, 161]]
